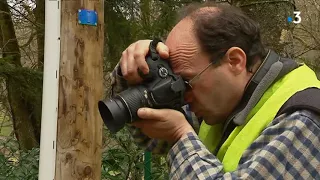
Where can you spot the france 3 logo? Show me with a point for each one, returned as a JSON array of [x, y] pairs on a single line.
[[296, 19]]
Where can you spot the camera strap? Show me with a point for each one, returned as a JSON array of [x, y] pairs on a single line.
[[153, 48]]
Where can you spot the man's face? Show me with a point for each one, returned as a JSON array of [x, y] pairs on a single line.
[[216, 91]]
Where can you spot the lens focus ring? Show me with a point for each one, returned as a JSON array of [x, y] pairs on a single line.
[[134, 99]]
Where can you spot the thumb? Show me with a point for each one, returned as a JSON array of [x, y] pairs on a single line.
[[163, 50], [149, 113]]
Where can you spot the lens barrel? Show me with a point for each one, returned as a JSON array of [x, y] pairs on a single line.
[[122, 108]]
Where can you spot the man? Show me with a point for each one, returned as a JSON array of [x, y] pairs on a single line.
[[239, 90]]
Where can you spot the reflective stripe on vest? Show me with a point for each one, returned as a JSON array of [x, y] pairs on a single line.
[[258, 119]]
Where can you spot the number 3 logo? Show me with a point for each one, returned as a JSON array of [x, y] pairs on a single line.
[[297, 17]]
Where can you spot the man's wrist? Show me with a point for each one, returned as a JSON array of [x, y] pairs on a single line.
[[182, 133]]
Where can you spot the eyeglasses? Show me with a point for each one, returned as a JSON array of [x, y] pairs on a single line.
[[220, 54], [188, 83]]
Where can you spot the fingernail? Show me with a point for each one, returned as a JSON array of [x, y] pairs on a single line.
[[142, 109], [145, 70]]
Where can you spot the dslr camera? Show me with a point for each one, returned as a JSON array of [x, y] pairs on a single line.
[[161, 88]]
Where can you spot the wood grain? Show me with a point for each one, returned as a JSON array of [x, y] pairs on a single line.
[[79, 136]]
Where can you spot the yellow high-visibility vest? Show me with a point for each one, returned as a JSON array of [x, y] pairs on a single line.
[[260, 116]]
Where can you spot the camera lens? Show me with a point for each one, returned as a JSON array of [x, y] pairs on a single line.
[[113, 113], [122, 108]]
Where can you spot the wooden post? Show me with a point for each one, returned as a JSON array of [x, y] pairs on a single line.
[[79, 135]]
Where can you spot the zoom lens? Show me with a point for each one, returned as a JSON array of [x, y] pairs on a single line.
[[122, 108]]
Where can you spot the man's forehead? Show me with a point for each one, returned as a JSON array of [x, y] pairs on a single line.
[[182, 46], [181, 33]]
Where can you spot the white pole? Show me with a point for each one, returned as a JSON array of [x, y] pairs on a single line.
[[50, 90]]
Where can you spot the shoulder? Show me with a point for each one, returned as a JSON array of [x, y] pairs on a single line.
[[296, 131], [287, 148], [298, 120], [311, 116]]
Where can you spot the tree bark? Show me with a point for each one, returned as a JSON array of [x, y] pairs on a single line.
[[272, 16], [79, 138], [21, 116], [40, 22]]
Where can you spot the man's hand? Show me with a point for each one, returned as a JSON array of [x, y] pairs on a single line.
[[165, 124], [134, 58]]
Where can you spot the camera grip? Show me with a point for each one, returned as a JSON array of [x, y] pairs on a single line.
[[145, 76]]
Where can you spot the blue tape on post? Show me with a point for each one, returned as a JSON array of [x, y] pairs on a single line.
[[87, 17]]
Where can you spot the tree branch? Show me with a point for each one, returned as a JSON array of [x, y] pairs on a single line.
[[11, 7]]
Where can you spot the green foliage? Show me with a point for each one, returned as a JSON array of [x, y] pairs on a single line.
[[159, 167], [27, 83], [121, 159], [129, 21], [16, 164], [125, 160], [28, 80]]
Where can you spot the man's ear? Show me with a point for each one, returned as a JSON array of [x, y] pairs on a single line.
[[236, 60]]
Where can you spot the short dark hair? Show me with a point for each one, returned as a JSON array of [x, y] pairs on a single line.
[[219, 29]]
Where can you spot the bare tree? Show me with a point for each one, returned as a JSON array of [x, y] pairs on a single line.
[[21, 108], [272, 16], [307, 33]]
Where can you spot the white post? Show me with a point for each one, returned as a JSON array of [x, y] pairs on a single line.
[[50, 90]]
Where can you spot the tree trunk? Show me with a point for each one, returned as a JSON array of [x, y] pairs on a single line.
[[79, 135], [21, 116], [272, 16], [40, 22], [39, 13]]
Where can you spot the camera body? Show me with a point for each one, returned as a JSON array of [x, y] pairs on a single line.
[[161, 88], [164, 89]]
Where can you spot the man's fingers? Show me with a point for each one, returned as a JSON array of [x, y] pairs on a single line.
[[123, 62], [131, 66], [163, 50], [148, 113], [140, 58], [138, 123], [144, 124], [141, 50], [134, 59]]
